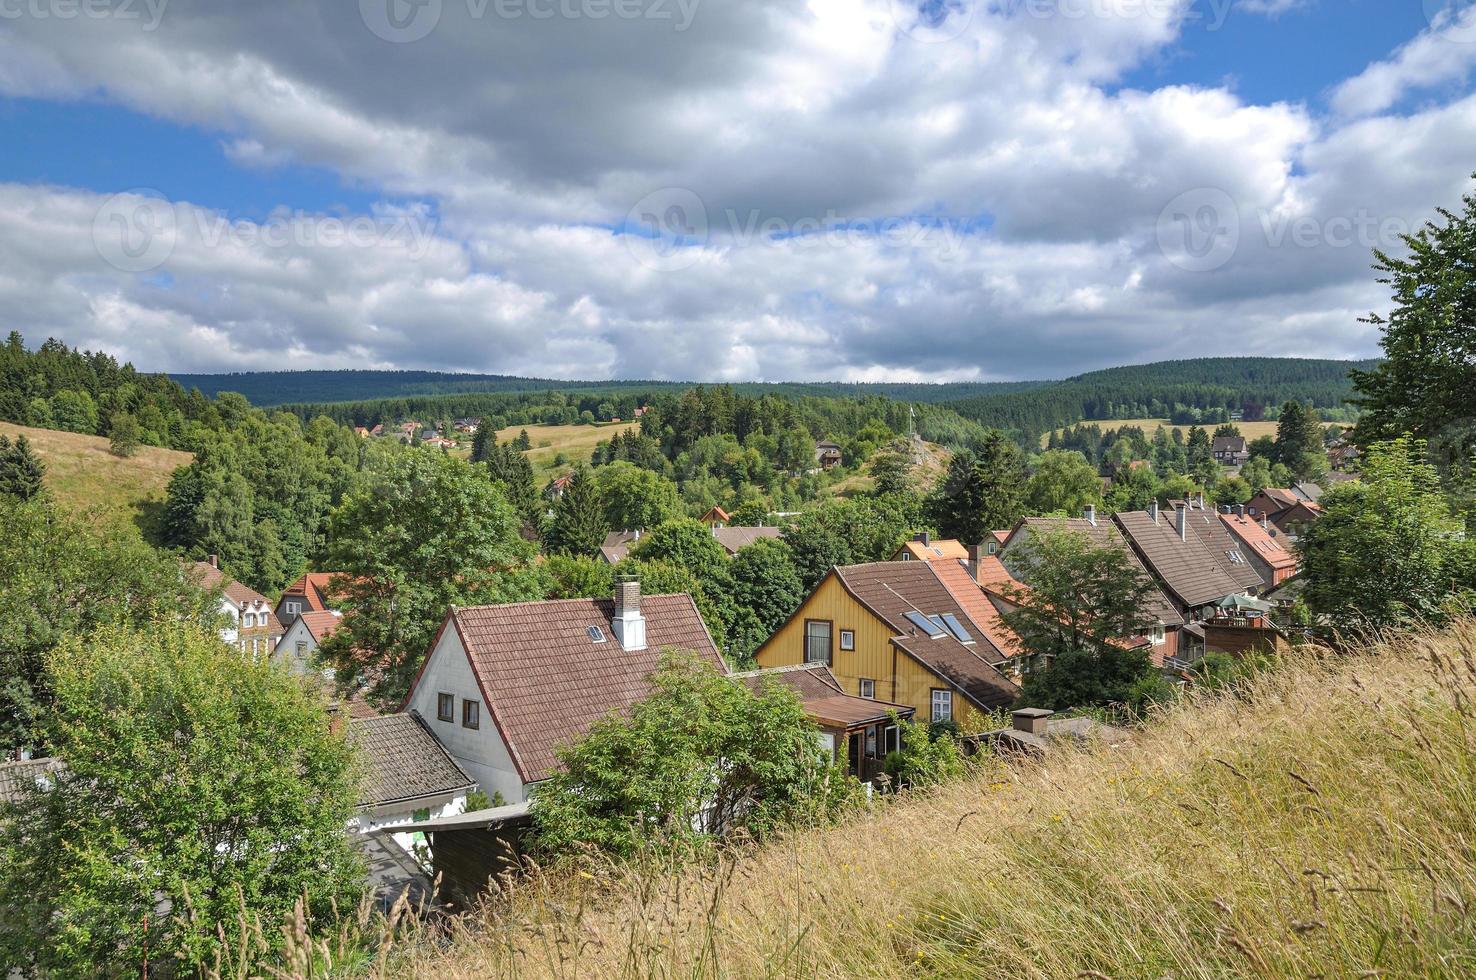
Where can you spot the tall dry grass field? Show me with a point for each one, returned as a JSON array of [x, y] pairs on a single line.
[[1320, 822]]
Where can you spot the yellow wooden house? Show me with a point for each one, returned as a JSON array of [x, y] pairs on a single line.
[[894, 631]]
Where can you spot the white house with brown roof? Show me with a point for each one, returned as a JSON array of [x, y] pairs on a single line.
[[249, 624], [504, 687], [298, 647]]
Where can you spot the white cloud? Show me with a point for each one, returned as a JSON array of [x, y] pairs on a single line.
[[1444, 53]]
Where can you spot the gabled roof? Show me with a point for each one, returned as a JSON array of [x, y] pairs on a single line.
[[981, 609], [405, 762], [1279, 496], [1307, 491], [209, 576], [735, 538], [546, 681], [891, 589], [1229, 444], [1205, 523], [321, 624], [934, 549], [316, 591], [1258, 540], [716, 513], [826, 702], [1102, 534], [617, 545], [1187, 569]]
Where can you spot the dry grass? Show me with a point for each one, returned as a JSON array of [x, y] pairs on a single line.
[[1319, 823], [1251, 430], [574, 441], [81, 473]]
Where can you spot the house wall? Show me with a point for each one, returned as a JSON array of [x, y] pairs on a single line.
[[286, 652], [368, 821], [1242, 640], [481, 751], [899, 678]]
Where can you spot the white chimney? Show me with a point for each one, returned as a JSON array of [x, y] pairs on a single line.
[[1091, 514], [1181, 515], [629, 624], [1153, 511]]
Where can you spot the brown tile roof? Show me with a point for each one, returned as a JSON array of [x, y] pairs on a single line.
[[891, 589], [1184, 565], [1256, 538], [1281, 498], [404, 761], [825, 700], [1103, 534], [934, 550], [1217, 540], [617, 545], [735, 538], [208, 576], [546, 681]]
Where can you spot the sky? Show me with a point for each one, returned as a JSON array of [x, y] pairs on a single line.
[[922, 190]]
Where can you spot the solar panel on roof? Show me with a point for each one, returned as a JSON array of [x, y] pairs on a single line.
[[934, 630]]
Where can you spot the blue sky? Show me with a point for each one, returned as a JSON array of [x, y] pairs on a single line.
[[863, 191]]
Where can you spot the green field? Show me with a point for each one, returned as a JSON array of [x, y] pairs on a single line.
[[575, 441], [82, 474], [1251, 430]]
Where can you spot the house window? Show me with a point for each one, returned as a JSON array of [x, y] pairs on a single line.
[[471, 714], [302, 649], [817, 641], [848, 639], [248, 620], [942, 705], [1158, 636], [871, 743], [868, 688], [445, 707], [293, 608], [889, 740]]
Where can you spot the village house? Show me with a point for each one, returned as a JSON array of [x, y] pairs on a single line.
[[1165, 638], [827, 455], [312, 592], [1230, 450], [893, 631], [1204, 523], [410, 776], [856, 731], [924, 547], [503, 687], [250, 624], [617, 544], [716, 517], [297, 650]]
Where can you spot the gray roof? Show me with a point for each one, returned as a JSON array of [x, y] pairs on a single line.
[[1187, 568], [1228, 552], [1103, 534], [18, 777], [734, 538], [405, 761]]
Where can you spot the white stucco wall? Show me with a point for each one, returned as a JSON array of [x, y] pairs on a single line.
[[286, 652], [481, 752]]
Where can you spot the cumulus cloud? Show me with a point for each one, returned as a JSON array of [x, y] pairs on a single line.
[[782, 189]]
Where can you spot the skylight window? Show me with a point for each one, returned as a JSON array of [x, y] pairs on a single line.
[[596, 635], [933, 628], [956, 628]]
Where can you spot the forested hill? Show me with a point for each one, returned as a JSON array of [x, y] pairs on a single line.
[[272, 388], [1199, 390]]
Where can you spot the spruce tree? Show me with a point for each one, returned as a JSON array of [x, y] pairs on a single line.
[[21, 470], [514, 473], [1298, 436], [578, 523], [483, 441]]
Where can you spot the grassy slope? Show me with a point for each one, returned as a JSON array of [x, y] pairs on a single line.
[[1321, 824], [574, 441], [1251, 430], [81, 473]]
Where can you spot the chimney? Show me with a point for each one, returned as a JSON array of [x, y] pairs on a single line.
[[1032, 720], [1181, 518], [629, 624], [214, 561], [1091, 514], [1200, 498], [1153, 511], [1265, 522], [1240, 510], [975, 552], [926, 537]]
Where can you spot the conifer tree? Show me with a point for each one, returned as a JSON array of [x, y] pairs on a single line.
[[483, 441], [21, 470], [578, 521]]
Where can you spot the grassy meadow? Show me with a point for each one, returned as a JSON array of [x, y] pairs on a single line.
[[1316, 822], [1251, 430], [574, 441], [82, 473]]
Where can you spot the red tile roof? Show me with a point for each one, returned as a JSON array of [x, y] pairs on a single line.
[[935, 550], [971, 595], [208, 576], [316, 590], [546, 682], [321, 624]]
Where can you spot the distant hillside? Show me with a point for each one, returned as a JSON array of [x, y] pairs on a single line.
[[1316, 823], [81, 473], [271, 388], [1168, 389]]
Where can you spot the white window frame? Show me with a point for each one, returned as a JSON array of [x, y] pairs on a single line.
[[1158, 635], [942, 699], [867, 688], [848, 639]]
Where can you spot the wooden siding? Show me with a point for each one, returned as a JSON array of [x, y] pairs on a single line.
[[899, 678]]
